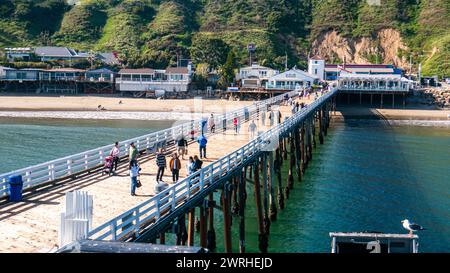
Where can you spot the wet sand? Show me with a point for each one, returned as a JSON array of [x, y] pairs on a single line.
[[91, 103]]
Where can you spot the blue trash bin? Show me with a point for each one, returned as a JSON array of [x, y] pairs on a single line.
[[15, 188]]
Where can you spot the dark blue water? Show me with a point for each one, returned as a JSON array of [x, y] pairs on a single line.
[[368, 176], [26, 142]]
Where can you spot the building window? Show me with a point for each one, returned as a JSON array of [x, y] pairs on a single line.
[[315, 71], [146, 78]]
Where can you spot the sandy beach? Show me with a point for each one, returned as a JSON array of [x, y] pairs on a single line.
[[91, 103]]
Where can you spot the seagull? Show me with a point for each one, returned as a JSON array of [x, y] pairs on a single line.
[[411, 226]]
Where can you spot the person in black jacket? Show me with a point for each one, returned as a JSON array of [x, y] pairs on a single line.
[[182, 145], [197, 163]]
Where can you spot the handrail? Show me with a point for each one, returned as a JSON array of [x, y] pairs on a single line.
[[68, 166], [154, 209]]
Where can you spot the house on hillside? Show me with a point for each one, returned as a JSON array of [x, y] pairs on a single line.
[[291, 80], [171, 79], [333, 71], [21, 75], [255, 76], [3, 70], [63, 74], [316, 67], [99, 75], [53, 53], [18, 53]]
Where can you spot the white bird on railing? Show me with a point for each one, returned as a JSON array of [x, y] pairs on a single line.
[[412, 227]]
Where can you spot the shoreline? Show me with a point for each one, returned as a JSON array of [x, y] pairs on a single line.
[[116, 104]]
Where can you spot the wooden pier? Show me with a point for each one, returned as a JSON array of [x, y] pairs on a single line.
[[32, 225]]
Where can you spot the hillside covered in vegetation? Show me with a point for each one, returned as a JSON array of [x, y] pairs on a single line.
[[154, 32]]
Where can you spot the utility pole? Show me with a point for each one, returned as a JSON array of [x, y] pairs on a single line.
[[286, 62], [410, 66]]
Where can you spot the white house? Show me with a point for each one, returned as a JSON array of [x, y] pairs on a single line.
[[316, 67], [291, 80], [172, 79], [255, 76], [3, 70], [18, 53]]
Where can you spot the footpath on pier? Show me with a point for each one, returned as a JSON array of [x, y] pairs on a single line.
[[32, 225]]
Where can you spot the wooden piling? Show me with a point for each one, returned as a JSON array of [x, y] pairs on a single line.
[[277, 168], [321, 125], [211, 236], [242, 179], [203, 226], [266, 193], [262, 236], [313, 131], [297, 153], [191, 226], [226, 219], [272, 206], [302, 149], [290, 180], [162, 238], [235, 207]]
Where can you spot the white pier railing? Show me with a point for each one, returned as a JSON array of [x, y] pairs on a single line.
[[66, 167], [156, 208]]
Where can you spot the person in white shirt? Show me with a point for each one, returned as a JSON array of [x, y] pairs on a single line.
[[115, 153], [134, 173], [211, 124], [252, 129]]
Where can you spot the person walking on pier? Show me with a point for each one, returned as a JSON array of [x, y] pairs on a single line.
[[252, 129], [115, 153], [134, 173], [182, 145], [197, 163], [175, 166], [202, 141], [211, 124], [133, 152], [161, 163], [263, 118], [271, 118], [191, 166], [278, 116], [236, 125]]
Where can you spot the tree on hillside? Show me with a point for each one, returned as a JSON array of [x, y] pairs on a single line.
[[228, 70], [211, 51]]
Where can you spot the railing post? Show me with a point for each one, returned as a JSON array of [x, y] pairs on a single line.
[[69, 166], [158, 208], [113, 231], [137, 224], [85, 162], [188, 186], [202, 175], [173, 199]]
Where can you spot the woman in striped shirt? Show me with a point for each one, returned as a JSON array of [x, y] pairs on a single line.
[[161, 163]]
